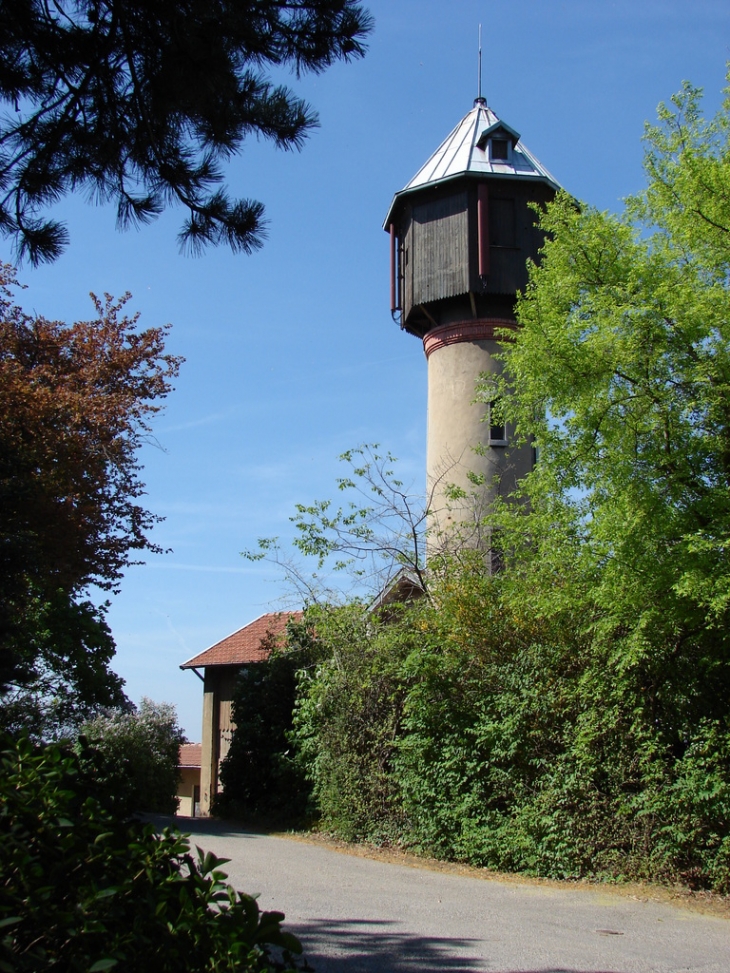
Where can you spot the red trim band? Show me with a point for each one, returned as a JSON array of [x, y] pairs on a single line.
[[483, 329]]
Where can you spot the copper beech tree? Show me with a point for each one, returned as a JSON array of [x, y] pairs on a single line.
[[75, 406]]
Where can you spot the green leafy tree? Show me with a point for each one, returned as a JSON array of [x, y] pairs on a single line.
[[261, 775], [55, 663], [75, 406], [374, 536], [142, 753], [142, 103], [621, 372]]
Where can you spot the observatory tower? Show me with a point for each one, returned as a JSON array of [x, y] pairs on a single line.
[[461, 233]]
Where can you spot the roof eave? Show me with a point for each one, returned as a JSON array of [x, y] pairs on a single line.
[[192, 664], [491, 176]]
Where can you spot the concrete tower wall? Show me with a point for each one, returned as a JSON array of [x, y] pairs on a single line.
[[459, 438]]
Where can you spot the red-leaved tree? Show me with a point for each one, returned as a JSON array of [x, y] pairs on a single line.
[[75, 406]]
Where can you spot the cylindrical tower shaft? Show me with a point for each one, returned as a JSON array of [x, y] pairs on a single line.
[[470, 459]]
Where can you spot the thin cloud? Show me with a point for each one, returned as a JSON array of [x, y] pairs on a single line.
[[208, 420], [204, 568]]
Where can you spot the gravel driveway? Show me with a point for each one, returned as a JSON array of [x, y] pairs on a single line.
[[358, 915]]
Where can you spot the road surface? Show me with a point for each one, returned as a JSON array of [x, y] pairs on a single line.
[[359, 915]]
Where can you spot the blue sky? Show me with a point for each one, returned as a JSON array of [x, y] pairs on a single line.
[[291, 354]]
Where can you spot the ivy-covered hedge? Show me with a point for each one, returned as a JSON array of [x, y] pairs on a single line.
[[348, 719], [82, 889]]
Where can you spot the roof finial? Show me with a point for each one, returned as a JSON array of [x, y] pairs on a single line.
[[479, 100]]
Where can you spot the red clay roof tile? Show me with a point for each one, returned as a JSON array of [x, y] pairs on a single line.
[[190, 755], [245, 645]]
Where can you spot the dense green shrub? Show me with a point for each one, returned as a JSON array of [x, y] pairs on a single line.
[[470, 730], [348, 716], [142, 752], [260, 777], [473, 728], [83, 889]]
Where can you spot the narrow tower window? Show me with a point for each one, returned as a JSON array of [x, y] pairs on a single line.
[[497, 427], [499, 150]]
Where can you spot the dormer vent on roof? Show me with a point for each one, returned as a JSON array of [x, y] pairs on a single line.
[[499, 141], [499, 132]]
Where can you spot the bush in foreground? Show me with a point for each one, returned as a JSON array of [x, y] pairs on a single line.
[[83, 890]]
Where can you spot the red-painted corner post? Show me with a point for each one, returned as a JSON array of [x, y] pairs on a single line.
[[393, 269], [483, 229]]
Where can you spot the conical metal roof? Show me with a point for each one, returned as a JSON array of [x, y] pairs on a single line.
[[465, 151]]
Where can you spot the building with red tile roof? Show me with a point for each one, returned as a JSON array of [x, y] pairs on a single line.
[[252, 643], [222, 664]]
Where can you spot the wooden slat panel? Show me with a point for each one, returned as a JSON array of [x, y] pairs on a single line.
[[439, 259], [483, 231], [502, 230], [511, 239], [406, 276], [508, 271]]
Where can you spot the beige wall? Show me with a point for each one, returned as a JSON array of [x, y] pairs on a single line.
[[209, 755], [218, 729], [455, 428], [189, 781]]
